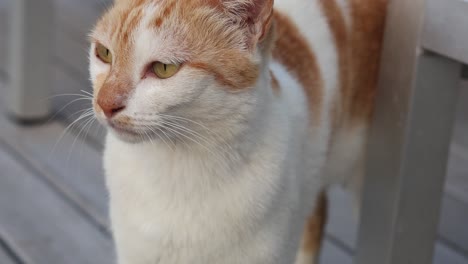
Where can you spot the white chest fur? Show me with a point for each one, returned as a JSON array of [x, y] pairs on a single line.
[[180, 206]]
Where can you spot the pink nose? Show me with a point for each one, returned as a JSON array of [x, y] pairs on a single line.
[[112, 96], [111, 104], [110, 112]]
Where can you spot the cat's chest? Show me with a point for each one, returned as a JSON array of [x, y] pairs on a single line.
[[156, 190], [177, 220]]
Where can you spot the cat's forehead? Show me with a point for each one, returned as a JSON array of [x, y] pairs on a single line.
[[198, 26], [125, 18]]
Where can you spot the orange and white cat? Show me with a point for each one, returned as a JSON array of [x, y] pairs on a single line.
[[228, 119]]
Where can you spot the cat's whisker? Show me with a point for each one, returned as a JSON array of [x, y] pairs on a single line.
[[177, 138], [83, 127], [208, 141], [192, 132], [63, 108], [214, 154], [148, 137], [89, 128], [84, 115], [62, 95], [162, 131], [87, 93], [81, 111], [174, 130], [183, 133], [83, 141], [171, 117], [186, 120], [176, 122]]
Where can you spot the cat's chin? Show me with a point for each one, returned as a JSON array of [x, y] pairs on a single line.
[[127, 136]]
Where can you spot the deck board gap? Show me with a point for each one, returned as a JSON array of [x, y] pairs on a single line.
[[5, 247], [40, 171], [11, 250], [339, 244], [453, 246]]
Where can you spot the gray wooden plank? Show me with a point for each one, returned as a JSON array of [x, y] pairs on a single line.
[[14, 250], [3, 36], [460, 136], [75, 20], [70, 66], [453, 221], [69, 164], [342, 220], [445, 30], [72, 56], [5, 258], [454, 216], [457, 182], [77, 16], [66, 84], [446, 255], [47, 228], [331, 254]]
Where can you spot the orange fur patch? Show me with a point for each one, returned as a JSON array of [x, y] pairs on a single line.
[[240, 76], [167, 11], [368, 19], [337, 24], [315, 228], [293, 51]]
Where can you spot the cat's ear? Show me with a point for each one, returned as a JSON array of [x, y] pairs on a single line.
[[256, 15]]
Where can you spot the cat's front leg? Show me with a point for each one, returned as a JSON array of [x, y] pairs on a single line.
[[314, 231]]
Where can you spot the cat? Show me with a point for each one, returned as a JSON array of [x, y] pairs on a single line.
[[228, 119]]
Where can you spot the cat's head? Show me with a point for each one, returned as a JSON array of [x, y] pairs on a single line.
[[168, 68]]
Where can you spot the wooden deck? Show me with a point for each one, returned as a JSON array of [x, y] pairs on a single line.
[[53, 202]]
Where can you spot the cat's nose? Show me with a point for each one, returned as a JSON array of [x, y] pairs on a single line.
[[113, 95], [111, 107]]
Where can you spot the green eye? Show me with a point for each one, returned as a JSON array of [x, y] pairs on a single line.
[[103, 53], [165, 71]]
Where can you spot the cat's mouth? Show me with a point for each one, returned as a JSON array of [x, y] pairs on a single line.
[[124, 132], [134, 133]]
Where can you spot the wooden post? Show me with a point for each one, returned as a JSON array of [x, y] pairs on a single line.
[[31, 49], [409, 143]]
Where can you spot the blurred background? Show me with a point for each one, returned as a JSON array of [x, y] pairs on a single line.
[[53, 202]]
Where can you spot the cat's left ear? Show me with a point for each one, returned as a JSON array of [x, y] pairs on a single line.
[[256, 15]]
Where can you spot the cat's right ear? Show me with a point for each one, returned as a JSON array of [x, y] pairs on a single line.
[[256, 15]]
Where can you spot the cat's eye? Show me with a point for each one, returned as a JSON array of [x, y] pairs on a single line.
[[164, 71], [103, 53]]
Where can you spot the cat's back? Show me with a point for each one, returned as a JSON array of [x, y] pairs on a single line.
[[332, 47]]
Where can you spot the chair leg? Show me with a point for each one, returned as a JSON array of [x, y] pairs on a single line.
[[406, 168], [465, 72], [31, 50]]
